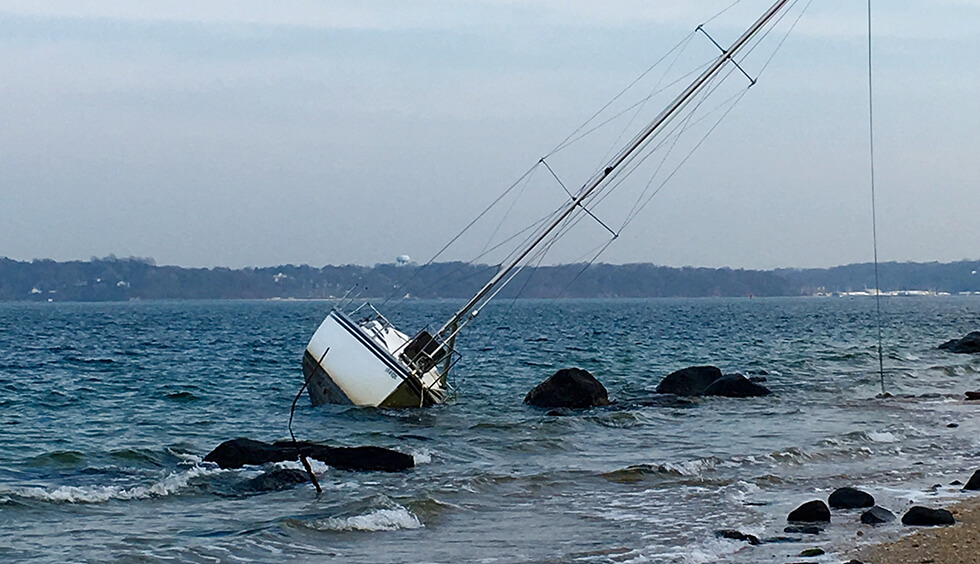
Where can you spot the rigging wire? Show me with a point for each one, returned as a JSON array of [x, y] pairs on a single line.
[[684, 125], [568, 140], [679, 128], [874, 214]]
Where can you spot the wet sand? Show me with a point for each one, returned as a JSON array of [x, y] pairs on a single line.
[[956, 544]]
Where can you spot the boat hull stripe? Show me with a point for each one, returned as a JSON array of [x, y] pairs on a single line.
[[374, 347]]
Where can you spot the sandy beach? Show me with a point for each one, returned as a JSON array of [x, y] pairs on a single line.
[[957, 544]]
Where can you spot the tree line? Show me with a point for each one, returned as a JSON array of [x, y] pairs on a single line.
[[119, 279]]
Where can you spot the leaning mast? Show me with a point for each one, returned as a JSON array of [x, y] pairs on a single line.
[[601, 179]]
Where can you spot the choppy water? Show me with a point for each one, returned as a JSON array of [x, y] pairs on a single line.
[[107, 409]]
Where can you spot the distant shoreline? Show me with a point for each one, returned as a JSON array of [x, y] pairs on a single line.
[[127, 279]]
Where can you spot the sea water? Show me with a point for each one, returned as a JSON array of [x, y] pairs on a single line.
[[107, 410]]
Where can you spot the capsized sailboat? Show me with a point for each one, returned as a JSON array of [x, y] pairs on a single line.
[[369, 362]]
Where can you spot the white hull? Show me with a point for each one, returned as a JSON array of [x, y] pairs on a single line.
[[359, 364]]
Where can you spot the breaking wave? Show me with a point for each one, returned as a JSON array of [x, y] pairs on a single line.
[[171, 484]]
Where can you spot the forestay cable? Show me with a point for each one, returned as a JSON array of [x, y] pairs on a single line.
[[874, 209]]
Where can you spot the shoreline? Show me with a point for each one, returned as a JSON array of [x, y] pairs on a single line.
[[953, 544]]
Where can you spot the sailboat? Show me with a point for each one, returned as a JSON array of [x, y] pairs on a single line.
[[361, 358]]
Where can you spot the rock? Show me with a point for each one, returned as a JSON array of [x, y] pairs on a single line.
[[952, 425], [877, 515], [850, 498], [919, 516], [780, 540], [690, 381], [969, 344], [736, 386], [737, 535], [974, 482], [812, 552], [973, 396], [815, 511], [804, 529], [569, 387], [240, 452], [276, 480]]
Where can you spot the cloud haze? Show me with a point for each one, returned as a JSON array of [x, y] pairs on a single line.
[[259, 133]]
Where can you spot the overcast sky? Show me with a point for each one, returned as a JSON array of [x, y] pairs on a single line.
[[237, 133]]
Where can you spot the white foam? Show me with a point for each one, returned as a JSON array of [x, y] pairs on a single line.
[[422, 456], [882, 437], [378, 520], [315, 465], [169, 485], [186, 457]]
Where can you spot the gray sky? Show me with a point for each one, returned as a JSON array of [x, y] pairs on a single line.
[[239, 133]]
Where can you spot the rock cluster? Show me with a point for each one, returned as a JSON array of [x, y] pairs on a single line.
[[709, 381], [811, 517]]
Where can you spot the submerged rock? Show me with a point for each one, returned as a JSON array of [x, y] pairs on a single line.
[[276, 480], [737, 535], [973, 396], [804, 529], [877, 515], [815, 511], [240, 452], [850, 498], [974, 482], [969, 344], [919, 516], [569, 387], [691, 381], [736, 386]]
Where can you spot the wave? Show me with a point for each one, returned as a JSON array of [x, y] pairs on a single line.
[[171, 484], [387, 519], [57, 458], [691, 469], [84, 360], [181, 397]]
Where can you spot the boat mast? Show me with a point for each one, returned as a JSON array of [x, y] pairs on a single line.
[[602, 177]]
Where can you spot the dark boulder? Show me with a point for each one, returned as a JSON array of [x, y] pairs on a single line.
[[240, 452], [736, 386], [569, 387], [850, 498], [919, 516], [691, 381], [973, 396], [974, 482], [969, 344], [276, 480], [737, 535], [815, 511], [877, 515]]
